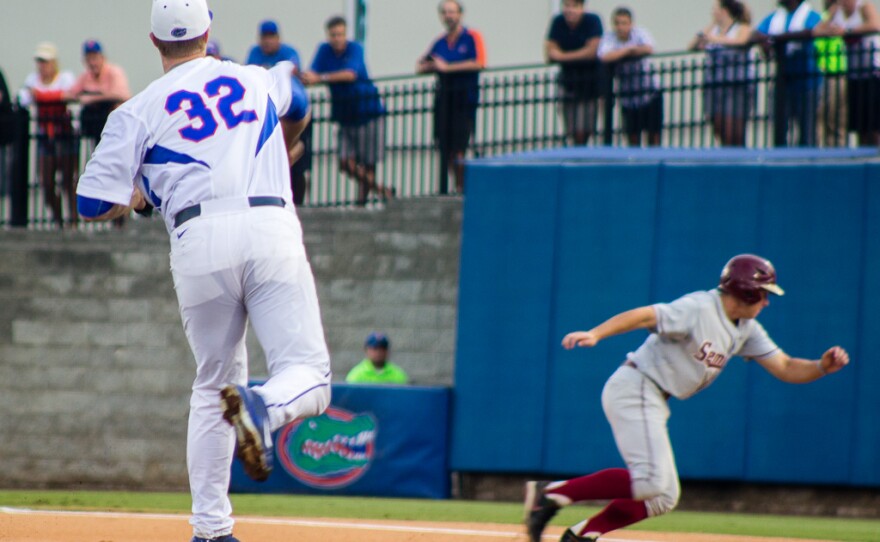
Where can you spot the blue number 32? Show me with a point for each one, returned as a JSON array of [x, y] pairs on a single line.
[[199, 110]]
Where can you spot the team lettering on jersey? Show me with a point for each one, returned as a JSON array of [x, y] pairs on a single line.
[[710, 357]]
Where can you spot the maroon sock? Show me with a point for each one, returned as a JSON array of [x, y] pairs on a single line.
[[618, 514], [605, 484]]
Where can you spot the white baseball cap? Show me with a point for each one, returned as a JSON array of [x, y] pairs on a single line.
[[179, 20], [46, 51]]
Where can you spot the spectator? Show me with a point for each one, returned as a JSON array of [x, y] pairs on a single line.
[[638, 88], [270, 50], [56, 145], [573, 42], [831, 60], [355, 105], [853, 19], [294, 123], [7, 134], [375, 368], [729, 76], [213, 50], [800, 87], [457, 58], [101, 88]]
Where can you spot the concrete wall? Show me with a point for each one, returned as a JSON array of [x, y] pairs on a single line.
[[95, 371]]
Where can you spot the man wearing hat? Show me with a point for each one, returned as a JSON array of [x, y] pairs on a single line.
[[375, 368], [46, 89], [202, 144], [270, 50], [101, 81]]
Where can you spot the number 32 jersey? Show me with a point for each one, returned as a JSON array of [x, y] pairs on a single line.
[[205, 130]]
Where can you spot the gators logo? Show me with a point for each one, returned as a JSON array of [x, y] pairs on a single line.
[[328, 451]]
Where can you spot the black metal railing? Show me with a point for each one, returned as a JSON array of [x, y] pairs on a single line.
[[773, 95]]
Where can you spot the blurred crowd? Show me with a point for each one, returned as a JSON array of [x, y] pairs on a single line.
[[826, 87]]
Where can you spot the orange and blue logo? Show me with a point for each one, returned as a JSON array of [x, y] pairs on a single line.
[[329, 451]]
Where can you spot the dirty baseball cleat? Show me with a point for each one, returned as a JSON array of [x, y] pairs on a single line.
[[246, 412], [539, 510], [569, 536], [224, 538]]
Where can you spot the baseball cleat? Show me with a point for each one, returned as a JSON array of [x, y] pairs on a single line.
[[246, 412], [569, 536], [224, 538], [539, 510]]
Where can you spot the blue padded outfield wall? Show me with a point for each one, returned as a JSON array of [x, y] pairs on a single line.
[[561, 240]]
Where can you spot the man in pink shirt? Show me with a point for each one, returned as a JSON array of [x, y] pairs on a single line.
[[102, 81]]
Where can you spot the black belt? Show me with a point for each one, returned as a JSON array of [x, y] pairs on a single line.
[[631, 363], [254, 201]]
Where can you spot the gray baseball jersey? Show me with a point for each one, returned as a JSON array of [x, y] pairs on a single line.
[[693, 342]]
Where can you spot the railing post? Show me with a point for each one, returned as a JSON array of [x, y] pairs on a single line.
[[780, 118], [607, 82], [18, 189]]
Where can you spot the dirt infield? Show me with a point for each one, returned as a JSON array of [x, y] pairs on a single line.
[[17, 525]]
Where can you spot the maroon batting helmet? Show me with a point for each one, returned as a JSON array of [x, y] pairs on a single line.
[[746, 276]]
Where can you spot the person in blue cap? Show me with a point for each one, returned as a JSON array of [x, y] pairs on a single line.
[[270, 50], [375, 368]]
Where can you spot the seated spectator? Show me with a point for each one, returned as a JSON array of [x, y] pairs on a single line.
[[355, 105], [457, 58], [57, 147], [573, 42], [798, 92], [375, 368], [858, 21], [270, 50], [638, 88], [729, 75]]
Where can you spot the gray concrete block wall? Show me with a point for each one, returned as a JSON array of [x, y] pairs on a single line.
[[95, 370]]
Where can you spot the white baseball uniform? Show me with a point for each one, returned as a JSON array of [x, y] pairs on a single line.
[[207, 134], [693, 342]]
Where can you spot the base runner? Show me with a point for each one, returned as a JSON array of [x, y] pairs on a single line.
[[692, 340]]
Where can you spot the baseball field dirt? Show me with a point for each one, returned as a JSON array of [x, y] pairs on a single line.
[[19, 525]]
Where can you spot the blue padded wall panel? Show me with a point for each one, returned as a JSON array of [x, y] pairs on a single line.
[[603, 267], [708, 214], [503, 328], [865, 360], [811, 231]]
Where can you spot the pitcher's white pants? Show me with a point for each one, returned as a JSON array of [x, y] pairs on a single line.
[[229, 267]]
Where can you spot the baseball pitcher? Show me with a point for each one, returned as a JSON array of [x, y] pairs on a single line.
[[204, 147]]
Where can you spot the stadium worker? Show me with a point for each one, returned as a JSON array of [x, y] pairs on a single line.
[[457, 58], [800, 88], [692, 339], [573, 43], [376, 368], [202, 144]]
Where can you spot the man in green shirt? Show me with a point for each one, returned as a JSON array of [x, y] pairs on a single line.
[[375, 368]]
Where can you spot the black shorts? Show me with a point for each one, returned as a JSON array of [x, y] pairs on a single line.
[[863, 105], [644, 118], [454, 121]]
